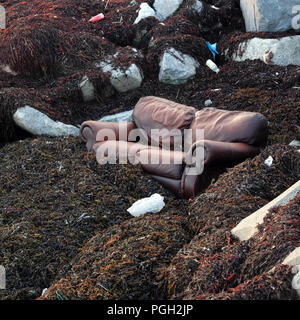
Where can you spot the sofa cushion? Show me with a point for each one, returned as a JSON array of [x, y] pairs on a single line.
[[231, 126], [163, 115]]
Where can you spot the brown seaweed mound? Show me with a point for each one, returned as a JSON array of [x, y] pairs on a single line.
[[237, 194], [251, 270], [55, 197], [124, 261]]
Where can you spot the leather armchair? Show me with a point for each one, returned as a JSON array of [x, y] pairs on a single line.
[[229, 138]]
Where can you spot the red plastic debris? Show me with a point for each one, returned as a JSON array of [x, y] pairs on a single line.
[[96, 18]]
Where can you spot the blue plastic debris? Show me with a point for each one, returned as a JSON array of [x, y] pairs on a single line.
[[212, 48]]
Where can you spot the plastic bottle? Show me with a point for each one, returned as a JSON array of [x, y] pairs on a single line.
[[212, 66]]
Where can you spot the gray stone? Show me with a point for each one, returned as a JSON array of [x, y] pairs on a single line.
[[165, 8], [207, 103], [122, 116], [124, 80], [248, 226], [6, 68], [268, 15], [293, 259], [144, 12], [282, 51], [295, 143], [176, 67], [37, 123], [87, 89], [197, 6]]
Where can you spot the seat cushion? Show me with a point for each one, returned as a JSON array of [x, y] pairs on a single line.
[[165, 163], [163, 115]]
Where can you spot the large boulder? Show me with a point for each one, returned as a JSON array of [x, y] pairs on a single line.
[[125, 74], [145, 12], [268, 15], [165, 8], [176, 67], [282, 51], [37, 123], [124, 80]]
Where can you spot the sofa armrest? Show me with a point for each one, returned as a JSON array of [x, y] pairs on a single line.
[[220, 153], [207, 159], [98, 131]]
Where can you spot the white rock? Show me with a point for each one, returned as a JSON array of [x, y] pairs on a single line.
[[207, 103], [296, 279], [37, 123], [295, 143], [165, 8], [144, 12], [176, 67], [6, 68], [248, 226], [122, 116], [87, 89], [268, 15], [282, 51], [293, 259], [152, 204], [197, 6], [124, 80]]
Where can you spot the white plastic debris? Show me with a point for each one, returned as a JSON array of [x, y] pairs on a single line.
[[44, 291], [152, 204], [208, 103], [212, 66], [269, 161]]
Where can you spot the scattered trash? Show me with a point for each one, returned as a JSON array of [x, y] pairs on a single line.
[[269, 161], [59, 297], [151, 204], [132, 3], [212, 48], [96, 18], [212, 66], [44, 290]]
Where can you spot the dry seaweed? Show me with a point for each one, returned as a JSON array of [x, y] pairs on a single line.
[[265, 286], [124, 261], [55, 197], [236, 194]]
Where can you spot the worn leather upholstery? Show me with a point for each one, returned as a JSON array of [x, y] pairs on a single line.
[[229, 138]]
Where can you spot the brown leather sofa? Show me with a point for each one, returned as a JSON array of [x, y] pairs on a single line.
[[229, 138]]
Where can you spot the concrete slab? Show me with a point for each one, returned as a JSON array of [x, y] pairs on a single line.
[[248, 226]]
